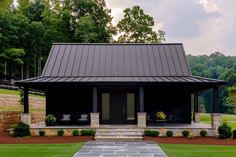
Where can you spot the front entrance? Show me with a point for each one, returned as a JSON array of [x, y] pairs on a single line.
[[117, 108]]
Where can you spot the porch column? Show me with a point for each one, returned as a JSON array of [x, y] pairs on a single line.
[[94, 120], [215, 115], [95, 100], [196, 112], [141, 99], [25, 116], [142, 120]]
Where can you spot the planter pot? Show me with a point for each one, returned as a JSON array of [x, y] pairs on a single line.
[[50, 123]]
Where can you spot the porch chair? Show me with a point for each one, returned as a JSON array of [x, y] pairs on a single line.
[[66, 118], [83, 118]]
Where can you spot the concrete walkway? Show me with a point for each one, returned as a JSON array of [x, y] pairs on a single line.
[[120, 149]]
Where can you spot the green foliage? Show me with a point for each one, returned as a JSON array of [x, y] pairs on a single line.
[[169, 133], [41, 132], [185, 133], [152, 133], [51, 118], [87, 132], [224, 131], [21, 130], [203, 133], [231, 98], [60, 132], [137, 27], [75, 133], [217, 66], [85, 30]]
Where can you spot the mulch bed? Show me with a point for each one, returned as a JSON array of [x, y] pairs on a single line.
[[195, 140], [5, 138]]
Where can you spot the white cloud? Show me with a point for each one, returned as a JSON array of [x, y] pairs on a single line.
[[204, 26]]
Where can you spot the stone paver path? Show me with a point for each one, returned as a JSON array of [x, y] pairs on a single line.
[[120, 149]]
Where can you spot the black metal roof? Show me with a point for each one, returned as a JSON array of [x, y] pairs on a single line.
[[80, 60], [77, 62]]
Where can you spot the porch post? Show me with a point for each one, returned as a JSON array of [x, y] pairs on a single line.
[[196, 112], [25, 116], [26, 100], [141, 99], [215, 115], [95, 108], [94, 116]]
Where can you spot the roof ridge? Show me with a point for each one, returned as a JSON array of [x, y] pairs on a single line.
[[63, 43]]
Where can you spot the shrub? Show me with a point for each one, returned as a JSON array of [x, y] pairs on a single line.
[[161, 115], [21, 130], [203, 133], [234, 134], [87, 132], [224, 131], [169, 133], [185, 133], [41, 132], [151, 133], [75, 132], [60, 132], [50, 120]]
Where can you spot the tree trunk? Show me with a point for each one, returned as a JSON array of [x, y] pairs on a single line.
[[5, 68]]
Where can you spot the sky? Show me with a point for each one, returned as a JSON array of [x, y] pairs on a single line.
[[203, 26]]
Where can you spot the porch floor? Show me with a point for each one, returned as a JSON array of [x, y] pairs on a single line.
[[166, 126]]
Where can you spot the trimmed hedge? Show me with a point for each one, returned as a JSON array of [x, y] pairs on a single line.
[[185, 133], [224, 131], [234, 134], [152, 133], [41, 132], [87, 132], [203, 133], [169, 133], [75, 133], [21, 130], [60, 132]]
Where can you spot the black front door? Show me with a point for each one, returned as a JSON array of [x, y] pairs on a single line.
[[117, 108]]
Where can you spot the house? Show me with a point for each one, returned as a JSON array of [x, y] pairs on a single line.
[[120, 84]]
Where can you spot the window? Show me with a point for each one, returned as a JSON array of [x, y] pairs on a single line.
[[130, 106], [105, 106]]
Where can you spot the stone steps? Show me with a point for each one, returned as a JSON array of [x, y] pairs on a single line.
[[119, 133]]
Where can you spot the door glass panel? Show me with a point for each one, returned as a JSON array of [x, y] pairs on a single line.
[[130, 106], [105, 106]]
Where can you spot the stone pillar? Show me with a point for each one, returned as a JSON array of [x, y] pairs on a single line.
[[142, 119], [26, 118], [215, 120], [94, 120], [197, 117]]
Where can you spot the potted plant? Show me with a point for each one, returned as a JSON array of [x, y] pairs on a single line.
[[161, 116], [50, 120]]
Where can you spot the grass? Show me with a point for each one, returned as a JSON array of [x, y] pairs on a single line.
[[184, 150], [16, 92], [229, 118], [39, 150]]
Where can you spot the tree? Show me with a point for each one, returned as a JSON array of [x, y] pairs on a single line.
[[85, 30], [137, 27], [231, 98]]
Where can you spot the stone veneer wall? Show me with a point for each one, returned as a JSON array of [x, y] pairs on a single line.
[[53, 131], [178, 132]]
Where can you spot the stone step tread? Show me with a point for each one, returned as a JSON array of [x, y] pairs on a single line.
[[115, 130], [118, 137]]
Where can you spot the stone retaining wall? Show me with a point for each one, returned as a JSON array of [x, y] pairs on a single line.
[[13, 101], [9, 118]]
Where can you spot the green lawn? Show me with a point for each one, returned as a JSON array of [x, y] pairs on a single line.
[[229, 118], [184, 150], [15, 92], [39, 150]]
